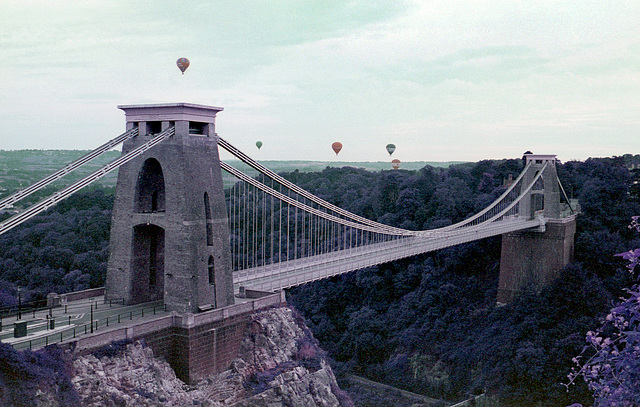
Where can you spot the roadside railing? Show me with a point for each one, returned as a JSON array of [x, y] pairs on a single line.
[[14, 312], [62, 328]]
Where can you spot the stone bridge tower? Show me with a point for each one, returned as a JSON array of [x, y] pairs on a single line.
[[532, 258], [169, 230]]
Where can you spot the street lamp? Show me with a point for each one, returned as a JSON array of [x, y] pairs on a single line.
[[19, 304]]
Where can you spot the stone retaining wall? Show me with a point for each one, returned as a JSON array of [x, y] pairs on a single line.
[[56, 300], [195, 345]]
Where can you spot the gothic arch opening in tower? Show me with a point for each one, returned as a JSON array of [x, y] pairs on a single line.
[[150, 191]]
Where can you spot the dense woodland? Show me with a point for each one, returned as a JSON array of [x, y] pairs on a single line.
[[64, 249], [428, 324]]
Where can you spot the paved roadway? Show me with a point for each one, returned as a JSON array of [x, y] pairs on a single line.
[[75, 319]]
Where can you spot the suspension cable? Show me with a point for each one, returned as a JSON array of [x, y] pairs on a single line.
[[71, 189], [264, 170], [23, 193], [356, 218], [298, 204], [357, 226]]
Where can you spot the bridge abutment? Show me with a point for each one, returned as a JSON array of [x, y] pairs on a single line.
[[531, 259], [195, 345]]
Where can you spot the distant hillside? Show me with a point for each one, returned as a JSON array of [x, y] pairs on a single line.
[[21, 168], [314, 166]]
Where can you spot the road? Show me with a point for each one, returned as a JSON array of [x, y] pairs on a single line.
[[77, 318]]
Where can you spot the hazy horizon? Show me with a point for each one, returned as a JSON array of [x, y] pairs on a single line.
[[444, 81]]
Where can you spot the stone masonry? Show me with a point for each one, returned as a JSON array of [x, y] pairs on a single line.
[[195, 345], [169, 233], [532, 258]]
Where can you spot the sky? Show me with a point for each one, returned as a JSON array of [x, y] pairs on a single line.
[[452, 80]]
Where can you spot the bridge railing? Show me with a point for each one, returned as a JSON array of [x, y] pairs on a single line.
[[62, 327]]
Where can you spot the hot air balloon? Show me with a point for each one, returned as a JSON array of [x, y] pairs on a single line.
[[337, 146], [395, 163], [391, 148], [183, 64], [259, 144]]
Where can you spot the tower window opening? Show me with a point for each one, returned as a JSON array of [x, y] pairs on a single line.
[[537, 203], [212, 274], [150, 190], [154, 128], [147, 263], [539, 184], [208, 219], [197, 128]]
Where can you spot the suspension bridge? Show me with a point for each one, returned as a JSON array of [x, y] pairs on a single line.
[[261, 233], [203, 241], [336, 241]]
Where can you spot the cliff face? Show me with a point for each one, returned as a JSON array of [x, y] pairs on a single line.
[[280, 365]]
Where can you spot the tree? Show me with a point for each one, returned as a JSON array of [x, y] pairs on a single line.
[[613, 372]]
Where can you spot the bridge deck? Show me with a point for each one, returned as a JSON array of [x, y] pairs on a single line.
[[296, 272]]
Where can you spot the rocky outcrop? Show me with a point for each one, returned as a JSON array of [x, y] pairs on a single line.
[[280, 364], [134, 378]]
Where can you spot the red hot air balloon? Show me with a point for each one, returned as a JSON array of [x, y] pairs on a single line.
[[183, 64], [395, 164], [337, 146]]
